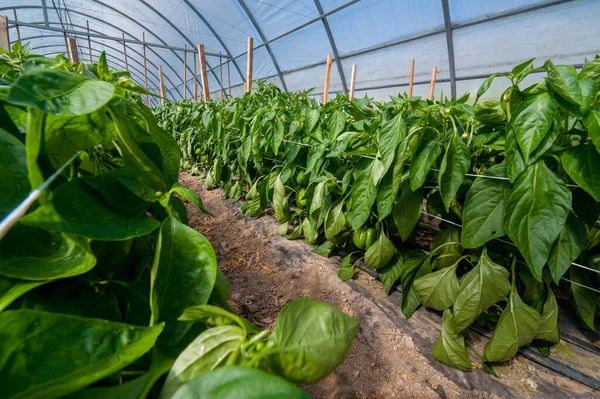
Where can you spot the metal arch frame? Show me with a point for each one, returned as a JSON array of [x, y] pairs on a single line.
[[264, 39], [221, 42], [104, 45], [333, 47], [450, 45], [105, 37], [176, 29]]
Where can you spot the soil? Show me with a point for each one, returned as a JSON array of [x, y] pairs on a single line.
[[391, 356]]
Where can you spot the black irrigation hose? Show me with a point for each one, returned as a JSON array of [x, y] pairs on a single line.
[[526, 352]]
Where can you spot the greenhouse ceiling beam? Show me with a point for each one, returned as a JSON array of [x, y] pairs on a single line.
[[212, 30], [45, 11], [336, 55], [450, 45], [107, 46], [118, 39], [264, 39], [172, 25]]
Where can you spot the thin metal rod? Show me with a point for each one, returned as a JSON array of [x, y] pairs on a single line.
[[264, 40], [125, 51], [450, 45], [229, 77], [185, 72], [195, 81], [45, 12], [221, 80], [145, 66], [17, 25], [338, 61], [89, 41]]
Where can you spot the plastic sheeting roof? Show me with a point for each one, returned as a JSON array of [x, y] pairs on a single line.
[[471, 40]]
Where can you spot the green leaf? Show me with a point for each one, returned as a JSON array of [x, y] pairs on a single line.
[[14, 184], [391, 273], [184, 272], [308, 354], [238, 382], [30, 253], [450, 346], [209, 350], [515, 164], [447, 246], [408, 210], [567, 247], [346, 271], [380, 253], [438, 290], [325, 249], [484, 209], [523, 69], [453, 169], [583, 299], [591, 121], [386, 195], [390, 134], [189, 195], [590, 70], [281, 213], [336, 124], [278, 132], [532, 122], [11, 289], [549, 330], [563, 80], [364, 193], [479, 289], [59, 92], [90, 216], [335, 220], [484, 87], [518, 326], [490, 113], [312, 118], [216, 316], [427, 152], [582, 163], [416, 265], [90, 349], [537, 206]]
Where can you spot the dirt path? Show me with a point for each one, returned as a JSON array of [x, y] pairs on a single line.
[[390, 358]]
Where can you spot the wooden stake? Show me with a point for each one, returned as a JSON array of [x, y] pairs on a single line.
[[195, 81], [221, 76], [4, 39], [228, 77], [411, 77], [162, 85], [432, 84], [17, 25], [73, 53], [184, 71], [67, 45], [203, 73], [249, 64], [125, 52], [89, 41], [145, 68], [327, 79], [352, 82]]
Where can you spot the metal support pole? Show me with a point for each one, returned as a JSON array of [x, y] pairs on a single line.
[[17, 26], [125, 52], [450, 44], [145, 68], [185, 72], [221, 78], [89, 41], [338, 61], [228, 77], [195, 80], [45, 11]]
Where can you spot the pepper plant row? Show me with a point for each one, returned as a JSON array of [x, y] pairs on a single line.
[[103, 286], [520, 175]]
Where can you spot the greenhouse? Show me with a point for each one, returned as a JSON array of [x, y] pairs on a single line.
[[299, 199]]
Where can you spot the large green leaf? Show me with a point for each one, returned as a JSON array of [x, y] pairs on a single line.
[[532, 121], [563, 79], [391, 273], [447, 247], [439, 289], [591, 121], [281, 211], [450, 346], [518, 326], [390, 134], [184, 272], [11, 289], [238, 382], [427, 152], [408, 211], [515, 164], [484, 209], [307, 354], [364, 193], [582, 163], [14, 184], [537, 206], [453, 169], [59, 92], [567, 247], [209, 350], [549, 330], [89, 216], [583, 299], [591, 70], [380, 253], [335, 220], [479, 289], [30, 253], [90, 349]]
